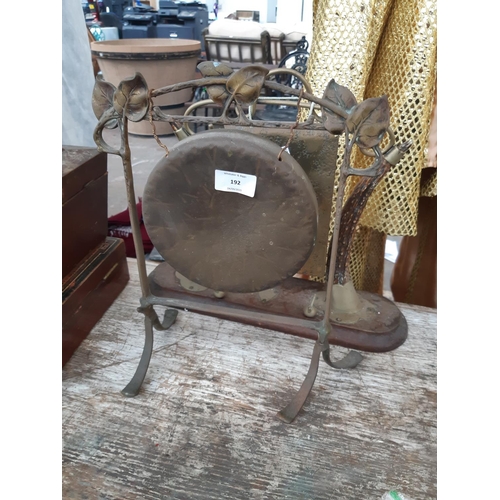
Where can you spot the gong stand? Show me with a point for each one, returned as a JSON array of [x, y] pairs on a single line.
[[264, 293]]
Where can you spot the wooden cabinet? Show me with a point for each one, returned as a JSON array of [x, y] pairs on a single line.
[[94, 267]]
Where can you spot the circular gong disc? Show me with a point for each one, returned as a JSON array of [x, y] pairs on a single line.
[[223, 240]]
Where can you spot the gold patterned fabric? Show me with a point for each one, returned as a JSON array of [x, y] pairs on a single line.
[[382, 47], [429, 187], [345, 40]]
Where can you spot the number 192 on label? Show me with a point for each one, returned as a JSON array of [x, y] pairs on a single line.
[[235, 182]]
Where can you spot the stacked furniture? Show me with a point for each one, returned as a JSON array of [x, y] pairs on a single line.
[[247, 42], [94, 266]]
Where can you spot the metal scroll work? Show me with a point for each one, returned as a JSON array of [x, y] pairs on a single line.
[[243, 255]]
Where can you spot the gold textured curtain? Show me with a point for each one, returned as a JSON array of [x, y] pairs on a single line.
[[382, 47]]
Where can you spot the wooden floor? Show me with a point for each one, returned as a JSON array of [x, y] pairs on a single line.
[[204, 425]]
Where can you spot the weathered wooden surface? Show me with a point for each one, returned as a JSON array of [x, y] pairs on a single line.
[[204, 424]]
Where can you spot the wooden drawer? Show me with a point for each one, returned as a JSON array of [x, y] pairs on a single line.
[[89, 290]]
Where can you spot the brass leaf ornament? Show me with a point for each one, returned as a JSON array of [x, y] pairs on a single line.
[[102, 97], [341, 96], [245, 84], [214, 68], [102, 100], [131, 96], [217, 93], [370, 121]]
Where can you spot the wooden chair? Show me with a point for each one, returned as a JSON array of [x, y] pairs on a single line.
[[277, 48], [238, 52], [282, 46]]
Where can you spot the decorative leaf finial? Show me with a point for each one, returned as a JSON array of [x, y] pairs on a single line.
[[214, 68], [245, 85], [132, 97], [341, 96], [217, 93], [102, 97], [370, 121], [102, 100]]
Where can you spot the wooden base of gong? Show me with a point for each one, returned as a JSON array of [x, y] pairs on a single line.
[[386, 330]]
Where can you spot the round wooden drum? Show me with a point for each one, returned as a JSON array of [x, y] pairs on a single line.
[[226, 213]]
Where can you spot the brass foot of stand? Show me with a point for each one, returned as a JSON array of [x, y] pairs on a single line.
[[133, 387], [351, 360], [151, 321]]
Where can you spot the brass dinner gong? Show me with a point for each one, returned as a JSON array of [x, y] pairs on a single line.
[[235, 216], [218, 237]]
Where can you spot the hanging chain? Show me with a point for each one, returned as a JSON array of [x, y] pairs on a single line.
[[294, 126], [153, 125]]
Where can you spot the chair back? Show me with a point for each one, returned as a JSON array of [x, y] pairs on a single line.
[[231, 49]]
